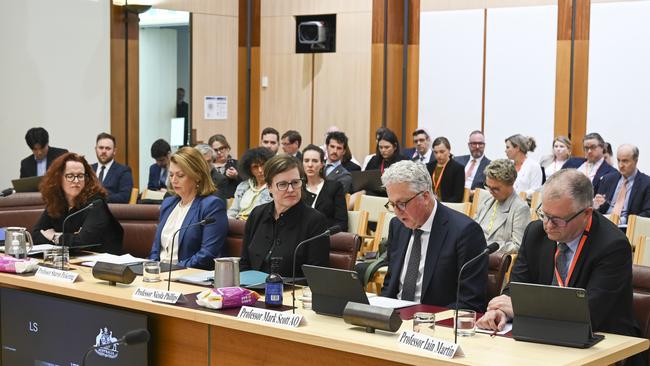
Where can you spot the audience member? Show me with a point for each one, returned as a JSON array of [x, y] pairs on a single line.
[[425, 231], [332, 128], [380, 131], [252, 191], [209, 155], [113, 176], [573, 246], [422, 151], [275, 229], [192, 201], [291, 141], [529, 173], [561, 153], [348, 161], [326, 196], [183, 111], [68, 187], [626, 191], [475, 162], [270, 139], [336, 143], [387, 152], [594, 166], [502, 215], [447, 175], [42, 156], [160, 152], [225, 165], [608, 153]]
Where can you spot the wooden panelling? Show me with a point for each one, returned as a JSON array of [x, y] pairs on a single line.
[[305, 7], [220, 7], [565, 19], [253, 126], [255, 22], [562, 75], [177, 341], [580, 88]]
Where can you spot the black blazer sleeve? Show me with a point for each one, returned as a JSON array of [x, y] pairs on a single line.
[[331, 203], [452, 184]]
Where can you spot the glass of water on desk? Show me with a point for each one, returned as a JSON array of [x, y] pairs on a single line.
[[151, 271], [466, 323]]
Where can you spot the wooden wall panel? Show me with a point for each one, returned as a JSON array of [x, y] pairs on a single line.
[[176, 341], [220, 7], [248, 85], [434, 5]]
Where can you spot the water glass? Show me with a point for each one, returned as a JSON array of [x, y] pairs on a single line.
[[424, 323], [466, 323], [151, 271], [57, 258]]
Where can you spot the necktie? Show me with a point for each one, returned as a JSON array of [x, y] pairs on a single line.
[[328, 167], [163, 178], [561, 263], [471, 169], [413, 267], [620, 199], [422, 158], [101, 173]]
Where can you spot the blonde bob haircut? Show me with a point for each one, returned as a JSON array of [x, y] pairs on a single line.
[[191, 162]]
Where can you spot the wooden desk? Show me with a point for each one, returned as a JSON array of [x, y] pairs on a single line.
[[183, 336]]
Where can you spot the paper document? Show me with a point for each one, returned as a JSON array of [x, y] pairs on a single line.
[[38, 248], [203, 278], [248, 278], [506, 329], [90, 260], [390, 303]]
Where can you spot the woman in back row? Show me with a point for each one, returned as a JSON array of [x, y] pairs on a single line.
[[529, 172], [447, 175]]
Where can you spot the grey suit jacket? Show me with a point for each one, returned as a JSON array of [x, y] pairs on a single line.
[[342, 175], [479, 177], [510, 220]]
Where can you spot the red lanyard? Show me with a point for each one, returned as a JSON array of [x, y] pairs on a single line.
[[381, 167], [575, 257], [433, 177]]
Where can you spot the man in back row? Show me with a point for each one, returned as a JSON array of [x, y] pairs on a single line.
[[114, 177], [476, 162], [42, 156]]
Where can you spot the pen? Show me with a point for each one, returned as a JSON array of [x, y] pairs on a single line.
[[493, 334]]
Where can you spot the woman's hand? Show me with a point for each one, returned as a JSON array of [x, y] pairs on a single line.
[[231, 173], [49, 234]]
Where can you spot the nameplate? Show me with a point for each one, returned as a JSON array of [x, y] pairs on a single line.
[[271, 317], [169, 297], [53, 274], [425, 343]]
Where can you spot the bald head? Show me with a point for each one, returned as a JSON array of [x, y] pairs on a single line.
[[627, 156]]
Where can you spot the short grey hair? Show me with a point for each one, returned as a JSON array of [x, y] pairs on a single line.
[[502, 170], [406, 171], [634, 149], [204, 149], [570, 183]]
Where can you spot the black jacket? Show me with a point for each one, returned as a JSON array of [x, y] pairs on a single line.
[[452, 183], [265, 238], [330, 202], [28, 165]]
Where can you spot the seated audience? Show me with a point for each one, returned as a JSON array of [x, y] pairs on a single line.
[[426, 231], [113, 176], [274, 229], [608, 154], [42, 156], [475, 162], [626, 191], [270, 139], [192, 201], [326, 196], [68, 187], [209, 155], [291, 141], [387, 152], [252, 191], [594, 165], [160, 151], [529, 173], [422, 151], [502, 215], [561, 153], [336, 145], [570, 232], [348, 161], [225, 165], [448, 175], [380, 131]]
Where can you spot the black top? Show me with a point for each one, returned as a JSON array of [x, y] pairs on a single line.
[[375, 162], [264, 238], [452, 183], [226, 186], [94, 225], [330, 202], [350, 166], [28, 164]]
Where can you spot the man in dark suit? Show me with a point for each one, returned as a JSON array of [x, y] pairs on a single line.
[[290, 142], [336, 143], [594, 166], [42, 156], [475, 162], [183, 111], [116, 178], [626, 192], [422, 151], [429, 243], [574, 246], [158, 172]]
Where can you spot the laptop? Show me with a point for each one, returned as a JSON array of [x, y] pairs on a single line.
[[29, 184], [562, 318], [369, 180]]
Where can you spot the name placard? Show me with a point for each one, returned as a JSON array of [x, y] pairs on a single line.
[[270, 317], [169, 297], [53, 274], [425, 343]]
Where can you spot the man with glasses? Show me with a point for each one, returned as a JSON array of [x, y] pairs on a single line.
[[475, 162], [422, 151], [429, 243], [594, 165], [573, 246]]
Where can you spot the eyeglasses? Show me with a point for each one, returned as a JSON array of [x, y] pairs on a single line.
[[391, 206], [295, 184], [417, 141], [72, 177], [591, 147], [556, 221], [221, 149], [476, 144], [492, 189]]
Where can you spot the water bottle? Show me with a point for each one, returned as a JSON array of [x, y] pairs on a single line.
[[274, 287]]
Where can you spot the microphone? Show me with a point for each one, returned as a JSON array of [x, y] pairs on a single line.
[[203, 222], [331, 231], [88, 207], [131, 338], [491, 248], [7, 192]]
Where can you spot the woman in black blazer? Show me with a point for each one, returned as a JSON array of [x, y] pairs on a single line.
[[448, 176], [387, 152], [326, 196]]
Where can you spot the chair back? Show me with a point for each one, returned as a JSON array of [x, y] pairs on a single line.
[[614, 218], [498, 266], [134, 196], [343, 250], [139, 223], [637, 226], [358, 222], [235, 238], [479, 195], [466, 192], [641, 297], [374, 205], [535, 201], [462, 207]]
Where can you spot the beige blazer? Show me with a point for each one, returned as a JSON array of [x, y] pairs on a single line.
[[511, 218]]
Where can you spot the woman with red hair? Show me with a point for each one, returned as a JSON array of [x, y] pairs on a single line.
[[70, 185]]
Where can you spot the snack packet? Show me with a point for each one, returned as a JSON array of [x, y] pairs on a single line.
[[13, 265], [226, 297]]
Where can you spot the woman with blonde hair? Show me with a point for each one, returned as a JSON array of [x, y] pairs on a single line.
[[529, 172], [561, 153]]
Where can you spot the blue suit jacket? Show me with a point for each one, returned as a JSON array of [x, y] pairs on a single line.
[[454, 240], [604, 169], [118, 181], [479, 176], [197, 245], [154, 178], [639, 202]]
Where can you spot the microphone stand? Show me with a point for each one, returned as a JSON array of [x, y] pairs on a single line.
[[90, 205], [207, 221]]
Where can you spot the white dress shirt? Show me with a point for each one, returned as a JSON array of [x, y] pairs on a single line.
[[99, 169], [529, 177], [469, 180]]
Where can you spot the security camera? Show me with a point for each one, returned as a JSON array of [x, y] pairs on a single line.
[[312, 32]]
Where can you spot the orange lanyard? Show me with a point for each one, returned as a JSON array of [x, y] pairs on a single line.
[[436, 184], [381, 167], [575, 257]]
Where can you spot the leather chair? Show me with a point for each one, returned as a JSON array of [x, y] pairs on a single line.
[[22, 201], [235, 237], [139, 223], [641, 293], [343, 250], [21, 217], [497, 268]]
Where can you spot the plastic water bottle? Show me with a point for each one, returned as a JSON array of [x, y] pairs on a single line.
[[274, 285]]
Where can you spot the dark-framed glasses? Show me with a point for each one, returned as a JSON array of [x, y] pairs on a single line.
[[295, 184], [557, 221], [221, 149], [71, 177], [390, 206]]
